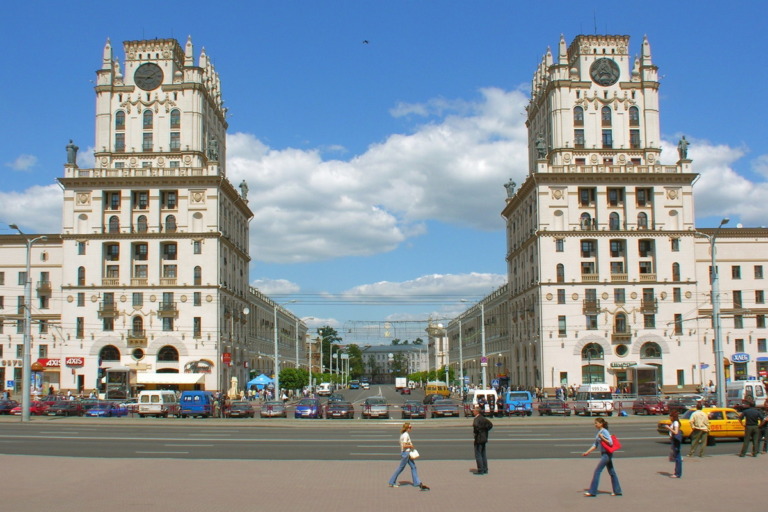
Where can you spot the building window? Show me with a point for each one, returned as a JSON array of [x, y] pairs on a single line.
[[634, 116], [113, 271], [168, 353], [605, 116], [197, 299], [758, 271], [560, 273], [578, 138], [197, 327], [759, 297], [169, 251], [676, 272], [2, 302], [646, 267], [138, 299], [114, 224], [760, 321], [170, 224], [588, 248], [80, 299], [586, 222], [649, 321], [617, 248], [587, 196], [678, 324], [198, 276], [591, 322], [650, 350], [620, 323], [561, 326], [588, 268], [607, 139], [578, 116], [738, 321], [642, 220], [80, 327], [140, 251], [737, 302], [739, 345], [141, 224], [175, 141], [141, 200], [169, 271], [175, 119], [643, 196], [167, 323], [761, 345], [614, 221], [561, 296], [675, 244], [2, 278], [140, 271], [108, 324], [619, 296], [677, 295], [147, 119], [81, 248], [22, 279], [634, 139], [615, 196], [147, 142], [645, 248], [736, 272], [120, 120], [81, 276], [197, 247], [169, 199], [119, 142]]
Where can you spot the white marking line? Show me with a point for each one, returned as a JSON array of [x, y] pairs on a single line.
[[375, 446], [163, 453], [388, 454], [194, 445]]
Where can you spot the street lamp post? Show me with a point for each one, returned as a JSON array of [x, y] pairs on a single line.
[[461, 359], [484, 359], [26, 373], [276, 363], [715, 296]]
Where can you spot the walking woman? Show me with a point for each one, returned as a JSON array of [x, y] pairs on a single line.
[[676, 442], [606, 460], [405, 458]]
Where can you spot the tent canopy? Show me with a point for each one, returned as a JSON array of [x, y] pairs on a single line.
[[259, 381], [169, 378]]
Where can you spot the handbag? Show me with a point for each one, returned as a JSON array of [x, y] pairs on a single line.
[[414, 454], [611, 448]]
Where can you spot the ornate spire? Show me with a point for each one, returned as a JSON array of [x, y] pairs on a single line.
[[106, 62]]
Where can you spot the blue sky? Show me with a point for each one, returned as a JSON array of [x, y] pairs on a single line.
[[376, 170]]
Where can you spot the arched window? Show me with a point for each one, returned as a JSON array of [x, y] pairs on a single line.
[[114, 224], [147, 119], [676, 272], [620, 324], [650, 350], [138, 325], [605, 116], [141, 223], [120, 120], [175, 119], [109, 353], [81, 276], [642, 220], [578, 116], [168, 353], [560, 273], [634, 116], [614, 221], [592, 351], [170, 224], [198, 276]]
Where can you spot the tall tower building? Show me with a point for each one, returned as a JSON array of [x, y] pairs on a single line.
[[600, 236], [155, 237]]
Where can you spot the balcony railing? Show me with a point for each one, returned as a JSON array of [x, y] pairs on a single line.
[[590, 278], [619, 278], [621, 337], [44, 287], [591, 307], [167, 281], [649, 305], [110, 281], [136, 337], [648, 277], [108, 310], [167, 310], [139, 281]]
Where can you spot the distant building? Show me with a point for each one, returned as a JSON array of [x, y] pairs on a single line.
[[381, 361], [608, 277]]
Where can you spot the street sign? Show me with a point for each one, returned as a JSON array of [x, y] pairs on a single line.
[[226, 358], [9, 384], [704, 366]]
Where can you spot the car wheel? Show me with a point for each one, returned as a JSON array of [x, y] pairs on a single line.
[[587, 413], [610, 413], [530, 413], [541, 413]]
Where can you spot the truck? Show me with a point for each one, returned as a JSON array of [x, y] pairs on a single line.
[[518, 402], [400, 383]]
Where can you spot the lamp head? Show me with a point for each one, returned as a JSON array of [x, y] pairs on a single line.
[[13, 226], [725, 221]]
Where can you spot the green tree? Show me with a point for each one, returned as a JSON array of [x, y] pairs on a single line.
[[418, 341], [395, 341], [399, 364], [356, 365], [293, 378], [329, 336]]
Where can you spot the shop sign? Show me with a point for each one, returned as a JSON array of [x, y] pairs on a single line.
[[623, 364], [50, 363], [11, 362], [740, 357], [74, 361], [226, 358]]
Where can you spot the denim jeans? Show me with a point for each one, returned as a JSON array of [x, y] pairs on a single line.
[[481, 458], [677, 456], [405, 458], [606, 461]]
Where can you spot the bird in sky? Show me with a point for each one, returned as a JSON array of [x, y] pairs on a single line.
[[365, 41]]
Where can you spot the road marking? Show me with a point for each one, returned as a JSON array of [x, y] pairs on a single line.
[[388, 454], [375, 446], [195, 445], [163, 453]]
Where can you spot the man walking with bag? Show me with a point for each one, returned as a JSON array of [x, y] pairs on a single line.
[[481, 426]]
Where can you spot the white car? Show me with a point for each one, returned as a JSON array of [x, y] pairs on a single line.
[[365, 385]]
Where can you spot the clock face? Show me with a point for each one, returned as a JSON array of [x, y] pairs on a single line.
[[604, 72], [148, 76]]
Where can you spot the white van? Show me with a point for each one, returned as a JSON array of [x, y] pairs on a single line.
[[593, 399], [470, 401], [324, 389], [158, 403], [740, 390]]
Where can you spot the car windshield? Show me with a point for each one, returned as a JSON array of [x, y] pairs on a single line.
[[375, 401], [307, 401], [518, 396], [687, 414], [340, 405], [443, 402], [273, 404]]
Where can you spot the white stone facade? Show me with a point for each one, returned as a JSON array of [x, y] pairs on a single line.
[[608, 280]]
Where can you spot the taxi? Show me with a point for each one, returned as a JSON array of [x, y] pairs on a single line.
[[723, 422]]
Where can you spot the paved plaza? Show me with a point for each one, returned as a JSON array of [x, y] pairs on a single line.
[[146, 485]]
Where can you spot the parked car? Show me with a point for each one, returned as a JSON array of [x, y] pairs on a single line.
[[241, 409], [340, 410], [336, 397], [66, 408], [649, 405], [273, 409], [723, 422], [36, 408], [518, 402], [413, 409], [309, 408], [551, 406], [375, 407], [682, 403], [131, 404], [6, 406], [365, 385], [430, 399], [405, 391], [445, 408], [107, 409]]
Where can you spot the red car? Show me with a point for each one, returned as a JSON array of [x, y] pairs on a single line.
[[35, 408], [650, 405]]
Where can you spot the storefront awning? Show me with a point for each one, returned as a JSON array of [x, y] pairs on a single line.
[[169, 378]]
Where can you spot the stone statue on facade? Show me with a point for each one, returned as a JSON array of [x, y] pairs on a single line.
[[682, 148], [72, 153], [243, 189], [541, 147], [510, 186], [213, 149]]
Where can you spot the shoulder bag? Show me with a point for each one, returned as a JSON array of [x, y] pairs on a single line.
[[611, 448], [414, 454]]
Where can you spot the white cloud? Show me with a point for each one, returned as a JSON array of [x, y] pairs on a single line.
[[36, 210], [434, 285], [23, 163], [760, 165], [275, 286]]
